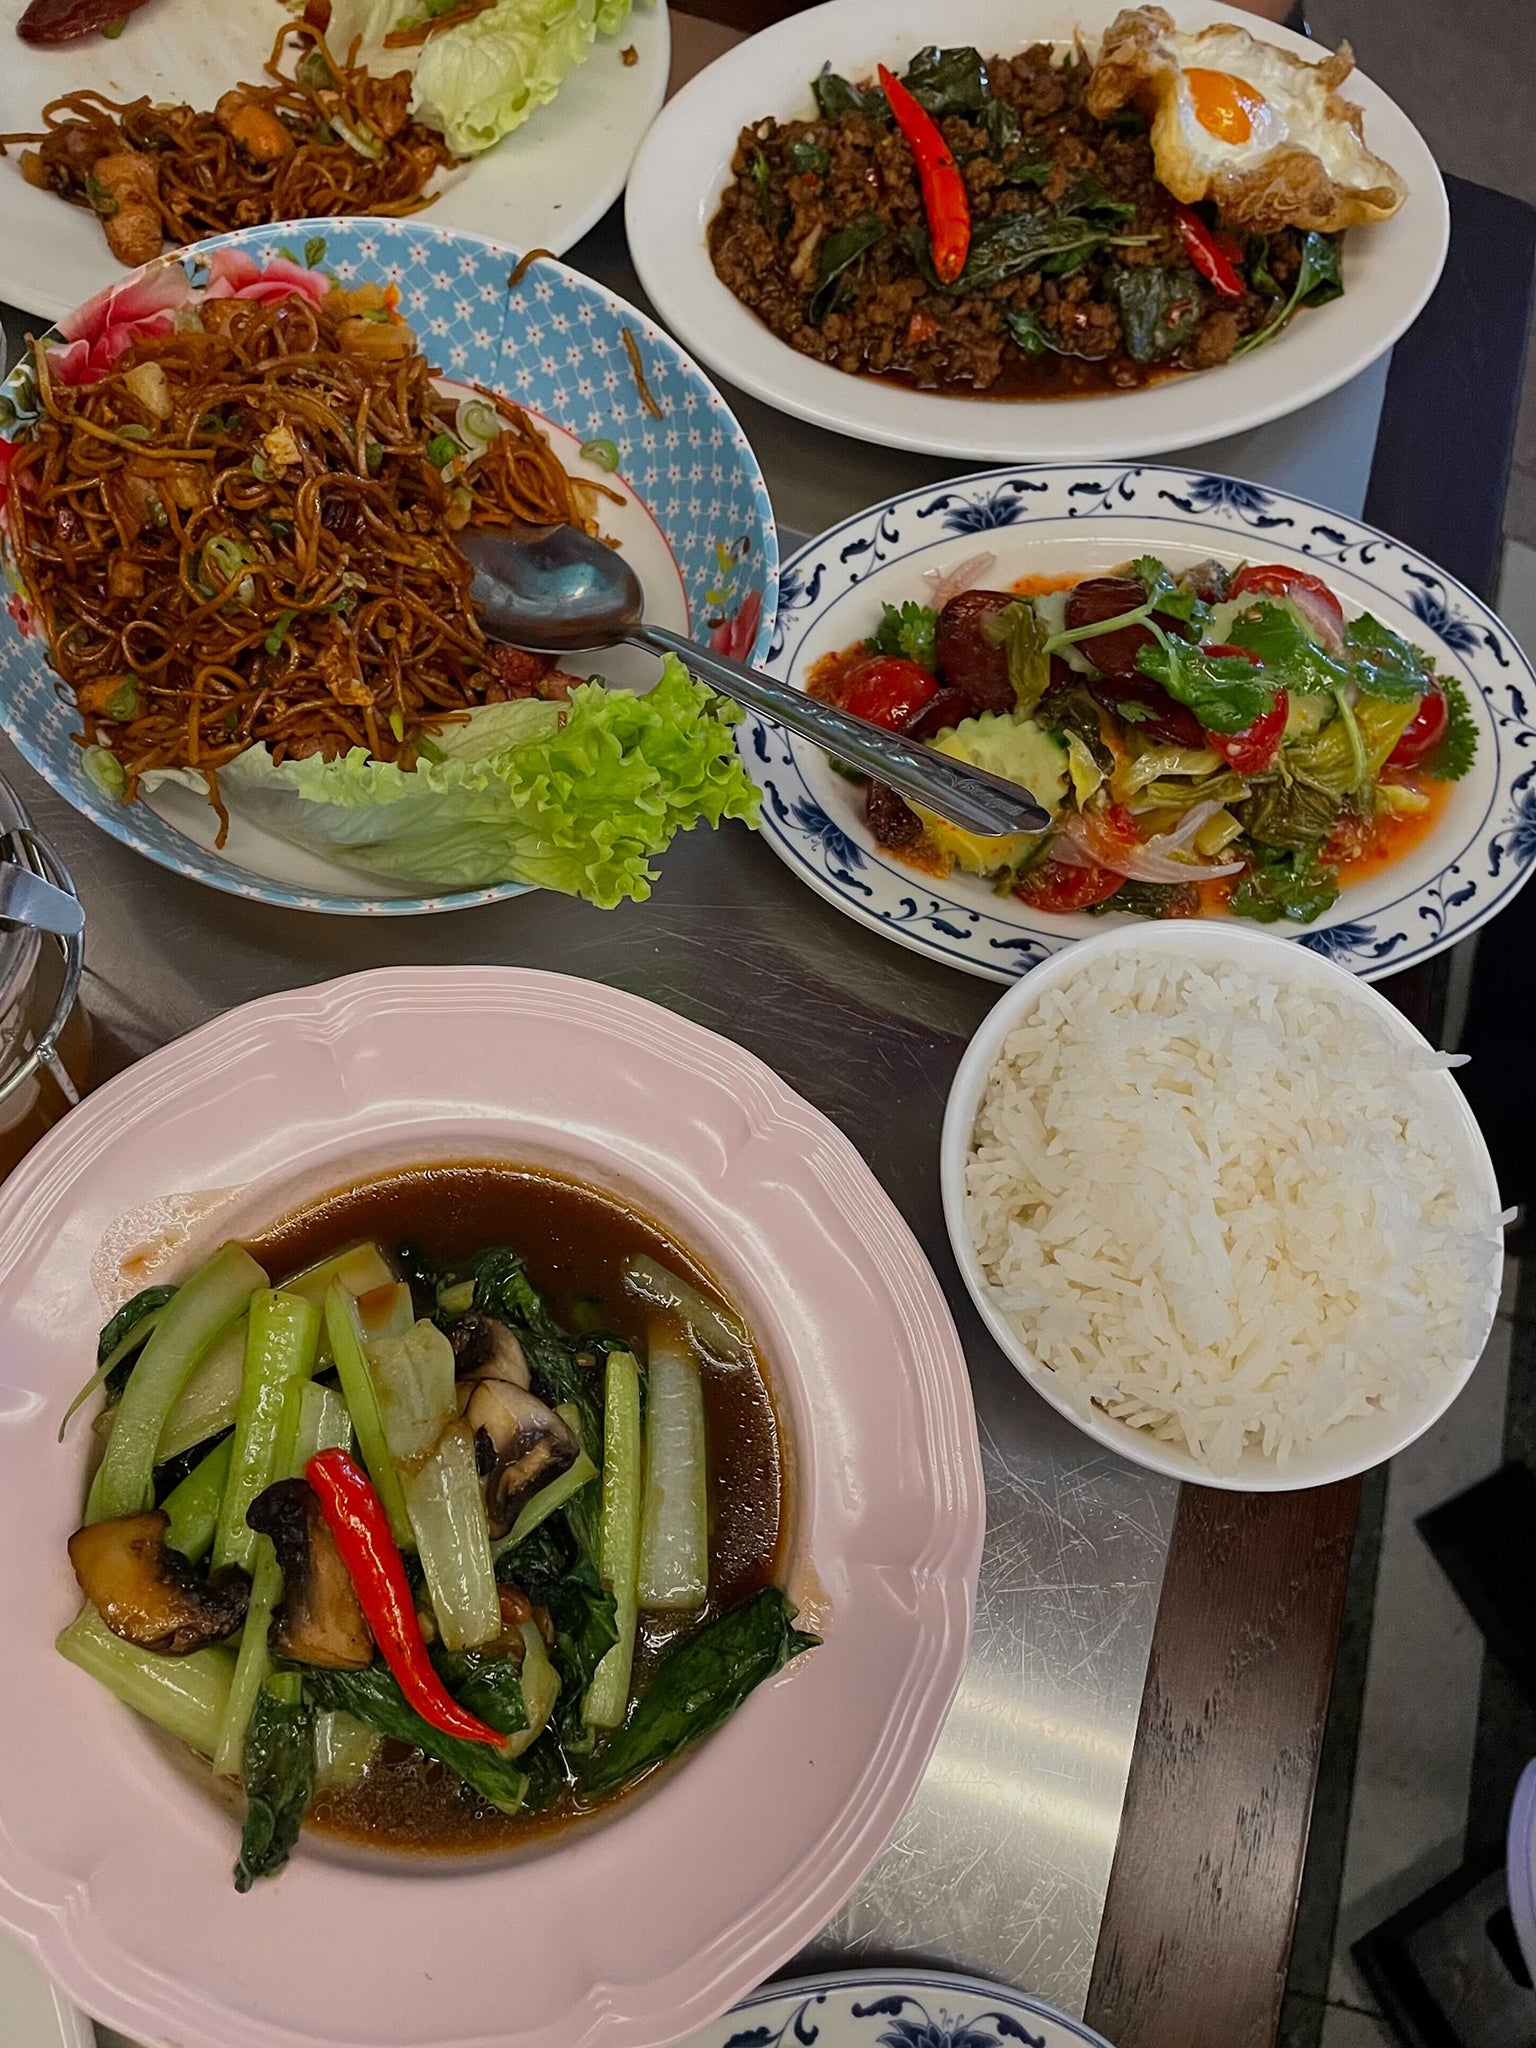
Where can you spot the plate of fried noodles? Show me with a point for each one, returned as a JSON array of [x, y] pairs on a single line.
[[239, 634], [511, 118]]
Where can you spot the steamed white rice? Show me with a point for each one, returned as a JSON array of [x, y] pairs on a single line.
[[1223, 1206]]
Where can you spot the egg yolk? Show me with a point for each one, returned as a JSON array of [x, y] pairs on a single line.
[[1225, 107]]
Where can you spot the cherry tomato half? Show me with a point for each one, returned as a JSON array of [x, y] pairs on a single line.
[[1055, 886], [1311, 593], [1423, 733], [1251, 750], [887, 690]]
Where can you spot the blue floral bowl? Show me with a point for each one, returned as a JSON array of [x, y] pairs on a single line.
[[1059, 519], [696, 524]]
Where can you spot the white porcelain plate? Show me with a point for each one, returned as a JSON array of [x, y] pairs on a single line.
[[541, 187], [894, 2009], [674, 189], [1058, 519]]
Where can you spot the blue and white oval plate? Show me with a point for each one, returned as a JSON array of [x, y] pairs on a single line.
[[1058, 519], [696, 522], [893, 2009]]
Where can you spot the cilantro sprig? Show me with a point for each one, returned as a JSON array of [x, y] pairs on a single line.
[[906, 629]]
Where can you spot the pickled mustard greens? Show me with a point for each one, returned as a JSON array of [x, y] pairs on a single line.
[[390, 1501]]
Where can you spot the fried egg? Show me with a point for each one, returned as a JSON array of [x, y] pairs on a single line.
[[1242, 122]]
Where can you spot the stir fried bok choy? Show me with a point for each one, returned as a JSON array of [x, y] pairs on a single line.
[[387, 1501]]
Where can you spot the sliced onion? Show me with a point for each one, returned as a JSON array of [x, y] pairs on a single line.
[[948, 583], [1158, 860]]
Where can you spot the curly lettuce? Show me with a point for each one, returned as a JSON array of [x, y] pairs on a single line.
[[574, 797]]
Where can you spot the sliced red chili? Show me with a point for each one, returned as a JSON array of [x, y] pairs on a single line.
[[1206, 253], [945, 200]]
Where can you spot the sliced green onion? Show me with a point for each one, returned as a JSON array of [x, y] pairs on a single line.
[[101, 766], [279, 633], [619, 1536], [113, 29], [133, 431], [373, 456], [604, 453], [397, 724], [477, 424], [262, 470], [443, 449], [123, 703]]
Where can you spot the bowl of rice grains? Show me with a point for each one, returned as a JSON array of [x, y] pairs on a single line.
[[1223, 1206]]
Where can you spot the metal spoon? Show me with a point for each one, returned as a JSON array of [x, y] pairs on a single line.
[[26, 899], [558, 591]]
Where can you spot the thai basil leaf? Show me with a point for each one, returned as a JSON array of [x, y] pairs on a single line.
[[835, 97], [806, 155], [278, 1771], [1285, 885], [1030, 167], [1159, 309], [1320, 277], [948, 81], [698, 1685], [1031, 333], [1089, 198], [1001, 122], [1260, 277], [1225, 691], [373, 1697], [1286, 649], [1010, 243], [838, 254], [1384, 664]]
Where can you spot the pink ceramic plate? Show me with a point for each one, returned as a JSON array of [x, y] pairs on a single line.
[[115, 1862]]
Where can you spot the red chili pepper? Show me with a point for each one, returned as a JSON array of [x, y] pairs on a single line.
[[357, 1520], [944, 196], [1207, 254]]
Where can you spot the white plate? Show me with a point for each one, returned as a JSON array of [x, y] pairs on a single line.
[[675, 186], [1055, 519], [543, 186], [1352, 1446], [894, 2009]]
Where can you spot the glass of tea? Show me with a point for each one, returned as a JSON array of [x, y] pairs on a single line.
[[45, 1035]]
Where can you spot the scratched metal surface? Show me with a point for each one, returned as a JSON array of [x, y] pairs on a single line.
[[1002, 1863]]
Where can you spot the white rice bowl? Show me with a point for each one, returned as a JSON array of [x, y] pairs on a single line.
[[1222, 1205]]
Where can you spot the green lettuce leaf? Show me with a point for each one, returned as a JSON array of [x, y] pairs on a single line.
[[481, 80], [574, 797]]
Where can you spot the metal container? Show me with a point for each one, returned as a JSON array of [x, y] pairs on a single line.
[[45, 1036]]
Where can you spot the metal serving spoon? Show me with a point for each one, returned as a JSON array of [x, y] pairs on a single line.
[[26, 899], [556, 590]]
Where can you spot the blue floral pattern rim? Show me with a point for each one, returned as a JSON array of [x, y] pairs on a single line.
[[1062, 518], [556, 346], [894, 2009]]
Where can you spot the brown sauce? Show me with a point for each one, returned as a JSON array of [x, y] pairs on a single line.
[[574, 1240]]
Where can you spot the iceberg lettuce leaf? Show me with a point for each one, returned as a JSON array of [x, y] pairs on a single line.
[[484, 78]]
